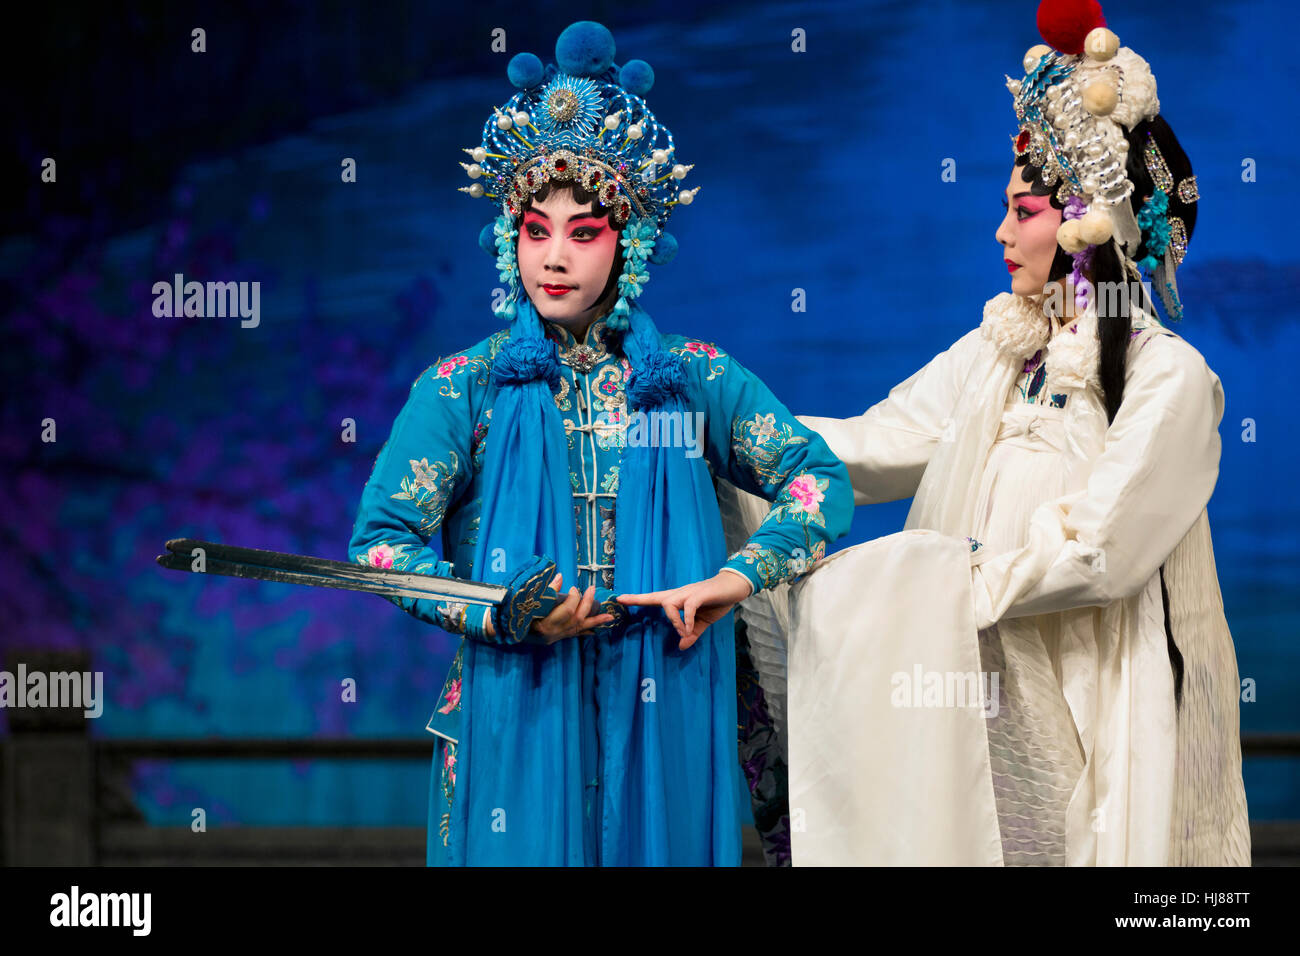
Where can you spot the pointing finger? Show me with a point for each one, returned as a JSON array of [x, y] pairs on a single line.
[[653, 597]]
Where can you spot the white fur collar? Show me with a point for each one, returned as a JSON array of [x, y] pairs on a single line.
[[1018, 327]]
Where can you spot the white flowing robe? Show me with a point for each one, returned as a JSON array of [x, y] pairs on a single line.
[[1079, 755]]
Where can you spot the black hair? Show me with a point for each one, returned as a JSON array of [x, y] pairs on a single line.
[[1113, 330], [605, 302]]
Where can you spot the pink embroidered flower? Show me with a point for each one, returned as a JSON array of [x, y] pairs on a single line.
[[450, 764], [449, 366], [453, 697], [380, 556], [804, 490], [705, 347]]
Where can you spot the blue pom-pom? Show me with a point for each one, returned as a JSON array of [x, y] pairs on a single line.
[[524, 360], [665, 250], [636, 77], [487, 239], [525, 70], [585, 48], [659, 378]]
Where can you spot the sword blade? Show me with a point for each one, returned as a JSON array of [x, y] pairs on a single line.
[[257, 564]]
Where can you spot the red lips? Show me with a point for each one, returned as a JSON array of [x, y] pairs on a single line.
[[557, 289], [1011, 266]]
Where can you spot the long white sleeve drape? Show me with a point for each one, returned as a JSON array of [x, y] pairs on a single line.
[[1076, 609]]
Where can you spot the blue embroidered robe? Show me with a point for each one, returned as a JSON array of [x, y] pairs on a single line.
[[420, 509]]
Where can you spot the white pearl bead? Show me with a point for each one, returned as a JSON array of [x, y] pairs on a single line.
[[659, 156], [476, 190], [522, 118], [634, 131], [1067, 236], [1034, 54], [504, 122], [1100, 98], [686, 197], [479, 154], [1095, 227], [475, 171], [1100, 44], [679, 171], [613, 119]]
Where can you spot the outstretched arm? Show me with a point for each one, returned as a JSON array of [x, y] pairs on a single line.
[[754, 442], [888, 446]]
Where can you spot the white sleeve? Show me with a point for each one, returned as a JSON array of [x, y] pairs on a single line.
[[1147, 487], [887, 447]]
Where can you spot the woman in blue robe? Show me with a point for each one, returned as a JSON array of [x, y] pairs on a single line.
[[602, 733]]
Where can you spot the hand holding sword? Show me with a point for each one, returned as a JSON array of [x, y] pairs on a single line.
[[527, 609], [570, 619]]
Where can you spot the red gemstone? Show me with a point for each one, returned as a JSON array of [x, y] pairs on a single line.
[[1022, 141], [560, 164]]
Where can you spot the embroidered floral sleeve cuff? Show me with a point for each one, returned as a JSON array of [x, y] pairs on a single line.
[[453, 616], [765, 566]]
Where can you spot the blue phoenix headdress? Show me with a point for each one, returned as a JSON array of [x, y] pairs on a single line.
[[583, 121]]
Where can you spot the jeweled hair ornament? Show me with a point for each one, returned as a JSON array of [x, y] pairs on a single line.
[[1080, 93], [581, 119]]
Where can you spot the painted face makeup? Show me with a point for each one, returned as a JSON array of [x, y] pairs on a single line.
[[565, 256], [1028, 236]]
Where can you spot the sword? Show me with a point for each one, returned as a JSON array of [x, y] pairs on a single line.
[[525, 597]]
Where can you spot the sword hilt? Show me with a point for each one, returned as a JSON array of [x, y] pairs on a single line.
[[529, 597]]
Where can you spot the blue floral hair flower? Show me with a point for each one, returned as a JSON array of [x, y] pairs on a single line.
[[507, 262], [639, 240], [1153, 220]]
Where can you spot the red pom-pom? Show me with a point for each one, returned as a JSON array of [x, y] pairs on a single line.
[[1063, 24]]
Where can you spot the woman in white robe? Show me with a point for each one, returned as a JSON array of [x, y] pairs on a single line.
[[1037, 670], [1086, 758]]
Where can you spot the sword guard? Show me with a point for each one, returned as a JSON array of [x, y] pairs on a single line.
[[529, 597]]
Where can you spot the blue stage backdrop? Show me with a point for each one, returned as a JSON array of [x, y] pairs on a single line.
[[821, 172]]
